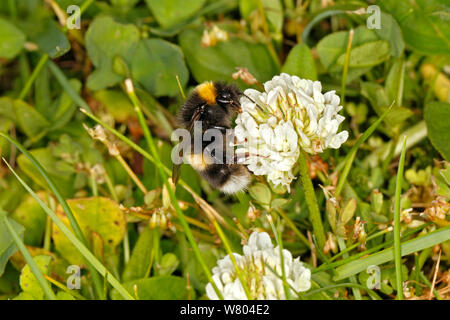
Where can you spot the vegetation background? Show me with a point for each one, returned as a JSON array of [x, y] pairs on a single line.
[[104, 204]]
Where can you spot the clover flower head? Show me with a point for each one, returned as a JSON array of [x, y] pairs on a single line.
[[290, 115], [261, 265]]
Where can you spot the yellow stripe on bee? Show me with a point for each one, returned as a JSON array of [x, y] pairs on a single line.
[[207, 91], [198, 161]]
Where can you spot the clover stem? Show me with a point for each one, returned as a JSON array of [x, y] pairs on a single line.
[[311, 201]]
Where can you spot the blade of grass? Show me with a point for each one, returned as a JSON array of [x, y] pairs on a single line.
[[354, 246], [428, 283], [73, 222], [34, 74], [352, 153], [356, 292], [180, 87], [367, 252], [397, 211], [279, 240], [415, 133], [407, 247], [73, 239], [346, 63], [64, 82], [149, 139], [58, 284], [267, 35], [28, 258], [291, 224]]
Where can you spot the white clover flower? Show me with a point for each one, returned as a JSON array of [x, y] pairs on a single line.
[[292, 114], [263, 284]]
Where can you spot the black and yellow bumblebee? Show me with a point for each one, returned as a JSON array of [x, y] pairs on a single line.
[[213, 104]]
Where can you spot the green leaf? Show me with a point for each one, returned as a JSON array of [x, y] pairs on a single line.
[[124, 4], [170, 13], [24, 296], [5, 126], [334, 45], [210, 255], [61, 295], [220, 62], [366, 55], [395, 82], [11, 40], [116, 104], [437, 115], [391, 32], [158, 288], [425, 23], [169, 263], [7, 108], [348, 211], [155, 65], [43, 93], [367, 51], [273, 10], [279, 203], [300, 62], [51, 39], [64, 107], [106, 39], [30, 121], [261, 193], [139, 265], [30, 214], [7, 244], [408, 247], [102, 223], [28, 281]]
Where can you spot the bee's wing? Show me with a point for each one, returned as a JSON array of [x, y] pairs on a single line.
[[176, 167]]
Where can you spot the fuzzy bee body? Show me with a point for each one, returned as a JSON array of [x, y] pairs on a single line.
[[214, 104]]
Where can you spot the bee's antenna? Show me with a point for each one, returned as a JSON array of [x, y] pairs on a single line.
[[260, 108]]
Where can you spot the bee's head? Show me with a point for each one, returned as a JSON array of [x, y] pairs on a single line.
[[228, 97]]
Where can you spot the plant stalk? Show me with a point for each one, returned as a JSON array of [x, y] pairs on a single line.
[[311, 201]]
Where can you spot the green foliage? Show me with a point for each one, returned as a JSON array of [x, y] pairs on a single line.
[[11, 39], [156, 63], [158, 288], [105, 40], [300, 62], [30, 215], [170, 13], [424, 23], [436, 117], [102, 223], [28, 282], [7, 245], [220, 62]]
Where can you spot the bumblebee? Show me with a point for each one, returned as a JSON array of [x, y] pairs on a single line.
[[213, 104]]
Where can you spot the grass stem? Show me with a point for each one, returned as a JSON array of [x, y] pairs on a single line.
[[397, 226], [346, 66], [34, 74], [28, 258]]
